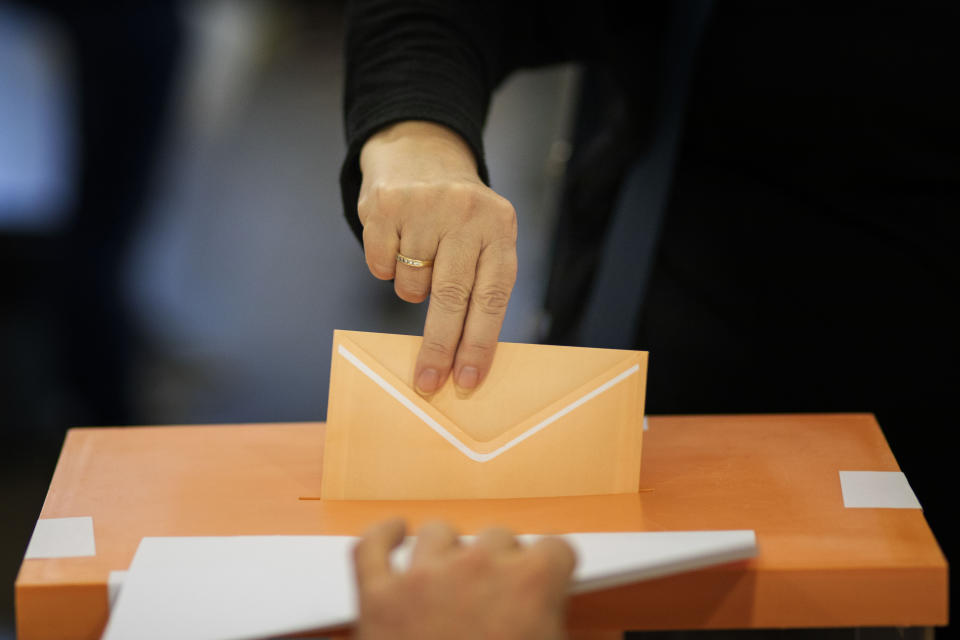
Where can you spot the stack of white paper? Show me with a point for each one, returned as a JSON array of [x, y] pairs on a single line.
[[264, 586]]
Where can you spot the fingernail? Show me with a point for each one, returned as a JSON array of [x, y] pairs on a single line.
[[427, 381], [468, 378]]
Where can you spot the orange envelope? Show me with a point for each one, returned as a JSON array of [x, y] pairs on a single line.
[[547, 421]]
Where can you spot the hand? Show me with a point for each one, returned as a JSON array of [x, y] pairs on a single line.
[[421, 196], [493, 588]]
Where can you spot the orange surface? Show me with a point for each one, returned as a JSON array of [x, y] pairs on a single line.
[[820, 564], [378, 449]]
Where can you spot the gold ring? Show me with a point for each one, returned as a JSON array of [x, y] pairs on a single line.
[[413, 262]]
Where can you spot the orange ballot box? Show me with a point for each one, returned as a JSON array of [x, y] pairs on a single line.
[[841, 539]]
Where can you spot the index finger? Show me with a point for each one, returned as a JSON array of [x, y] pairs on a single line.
[[453, 274], [371, 555], [496, 275]]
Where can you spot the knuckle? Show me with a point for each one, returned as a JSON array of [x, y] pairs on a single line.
[[476, 559], [480, 200], [437, 349], [450, 296], [478, 350], [507, 215], [467, 194], [383, 199], [504, 219], [499, 537], [388, 196], [491, 300], [503, 214], [364, 209]]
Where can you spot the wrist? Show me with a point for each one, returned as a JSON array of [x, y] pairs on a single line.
[[437, 142]]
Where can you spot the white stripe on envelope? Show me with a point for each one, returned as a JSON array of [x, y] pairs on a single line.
[[452, 439]]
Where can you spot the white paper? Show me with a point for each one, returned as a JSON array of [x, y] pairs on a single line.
[[877, 490], [62, 538], [232, 588], [612, 559], [114, 584]]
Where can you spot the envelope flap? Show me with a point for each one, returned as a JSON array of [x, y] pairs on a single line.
[[524, 379]]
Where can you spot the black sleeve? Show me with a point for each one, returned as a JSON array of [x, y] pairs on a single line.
[[439, 60]]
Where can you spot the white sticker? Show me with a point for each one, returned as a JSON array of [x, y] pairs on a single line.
[[62, 538], [877, 490]]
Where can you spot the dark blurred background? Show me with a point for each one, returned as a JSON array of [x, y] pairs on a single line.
[[172, 244], [172, 247]]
